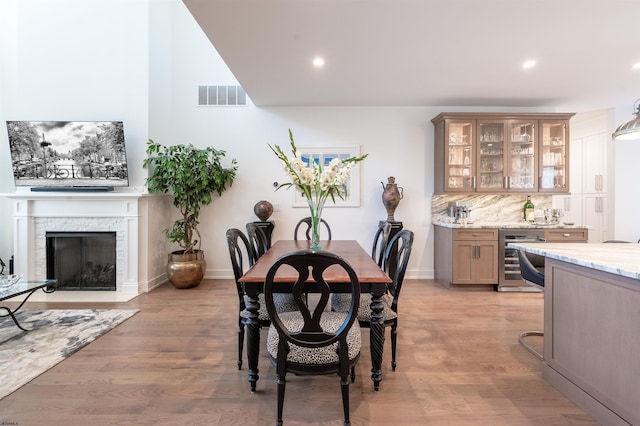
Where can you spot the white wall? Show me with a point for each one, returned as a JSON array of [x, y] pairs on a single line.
[[72, 60], [627, 177], [398, 141], [141, 61]]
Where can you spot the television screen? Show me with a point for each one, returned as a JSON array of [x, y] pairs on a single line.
[[68, 153]]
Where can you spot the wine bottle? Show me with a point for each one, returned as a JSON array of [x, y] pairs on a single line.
[[528, 211]]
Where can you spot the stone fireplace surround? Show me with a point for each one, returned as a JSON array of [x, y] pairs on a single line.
[[125, 213]]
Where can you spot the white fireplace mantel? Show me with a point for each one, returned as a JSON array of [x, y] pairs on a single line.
[[125, 213]]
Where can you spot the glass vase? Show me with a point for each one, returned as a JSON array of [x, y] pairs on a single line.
[[316, 213]]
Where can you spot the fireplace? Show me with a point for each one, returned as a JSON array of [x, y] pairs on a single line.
[[82, 260], [140, 246]]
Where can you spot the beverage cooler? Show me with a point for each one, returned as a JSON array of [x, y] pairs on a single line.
[[509, 278]]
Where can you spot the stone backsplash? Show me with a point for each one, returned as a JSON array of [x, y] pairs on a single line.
[[489, 207]]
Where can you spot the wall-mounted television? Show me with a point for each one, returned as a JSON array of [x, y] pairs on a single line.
[[68, 154]]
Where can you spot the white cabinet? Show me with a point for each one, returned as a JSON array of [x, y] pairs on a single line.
[[587, 205], [594, 216], [594, 161]]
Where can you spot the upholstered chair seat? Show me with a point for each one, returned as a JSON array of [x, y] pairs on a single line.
[[330, 322]]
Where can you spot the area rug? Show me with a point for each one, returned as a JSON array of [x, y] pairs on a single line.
[[55, 335]]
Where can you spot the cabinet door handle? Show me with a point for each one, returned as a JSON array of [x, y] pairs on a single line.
[[474, 182]]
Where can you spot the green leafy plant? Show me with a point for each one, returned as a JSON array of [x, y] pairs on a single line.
[[192, 175]]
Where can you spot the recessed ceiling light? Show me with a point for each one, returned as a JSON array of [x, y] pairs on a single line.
[[318, 62], [636, 66], [528, 64]]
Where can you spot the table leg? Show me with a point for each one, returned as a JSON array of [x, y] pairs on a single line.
[[13, 317], [253, 337], [376, 334], [11, 313]]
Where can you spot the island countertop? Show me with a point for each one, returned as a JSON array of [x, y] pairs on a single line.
[[616, 258]]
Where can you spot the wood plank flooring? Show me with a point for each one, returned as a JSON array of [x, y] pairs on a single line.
[[174, 363]]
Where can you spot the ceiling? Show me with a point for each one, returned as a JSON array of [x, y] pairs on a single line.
[[456, 53]]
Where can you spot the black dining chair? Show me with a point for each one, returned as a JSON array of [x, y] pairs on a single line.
[[380, 240], [241, 253], [403, 241], [313, 340], [307, 231], [257, 239], [532, 272]]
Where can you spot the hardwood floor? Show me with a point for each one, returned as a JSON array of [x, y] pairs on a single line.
[[174, 363]]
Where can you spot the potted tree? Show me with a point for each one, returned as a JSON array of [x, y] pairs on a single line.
[[192, 175]]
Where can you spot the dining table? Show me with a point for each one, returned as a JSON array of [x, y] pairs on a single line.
[[371, 277]]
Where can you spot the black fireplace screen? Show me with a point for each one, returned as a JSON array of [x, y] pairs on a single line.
[[82, 260]]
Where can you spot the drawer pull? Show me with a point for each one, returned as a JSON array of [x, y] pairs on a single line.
[[566, 235]]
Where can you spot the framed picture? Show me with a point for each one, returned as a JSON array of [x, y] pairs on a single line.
[[324, 155]]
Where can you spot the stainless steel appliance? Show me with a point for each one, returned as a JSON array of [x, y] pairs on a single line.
[[459, 210], [509, 278]]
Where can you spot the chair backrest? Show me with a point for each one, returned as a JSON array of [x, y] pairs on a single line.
[[399, 250], [380, 241], [529, 272], [239, 251], [307, 232], [257, 239], [311, 335]]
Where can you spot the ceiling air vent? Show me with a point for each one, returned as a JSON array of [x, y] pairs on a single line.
[[221, 96]]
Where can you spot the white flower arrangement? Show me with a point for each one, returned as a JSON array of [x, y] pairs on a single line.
[[316, 182]]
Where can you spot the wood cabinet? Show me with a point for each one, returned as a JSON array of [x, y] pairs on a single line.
[[565, 235], [466, 256], [501, 153]]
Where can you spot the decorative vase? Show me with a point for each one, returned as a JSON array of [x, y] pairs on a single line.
[[391, 196], [263, 209], [186, 270], [316, 214]]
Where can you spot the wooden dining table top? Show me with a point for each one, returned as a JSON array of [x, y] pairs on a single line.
[[365, 267]]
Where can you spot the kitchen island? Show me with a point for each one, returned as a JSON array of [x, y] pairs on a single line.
[[592, 326]]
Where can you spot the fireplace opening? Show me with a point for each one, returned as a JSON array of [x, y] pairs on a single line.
[[82, 260]]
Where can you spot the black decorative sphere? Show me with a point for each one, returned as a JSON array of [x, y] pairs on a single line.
[[263, 209]]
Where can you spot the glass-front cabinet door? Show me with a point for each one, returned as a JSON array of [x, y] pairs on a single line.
[[554, 173], [459, 155], [491, 165], [521, 158]]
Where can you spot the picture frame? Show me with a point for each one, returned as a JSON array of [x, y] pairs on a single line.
[[325, 155]]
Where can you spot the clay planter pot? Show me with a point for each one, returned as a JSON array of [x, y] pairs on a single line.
[[186, 270]]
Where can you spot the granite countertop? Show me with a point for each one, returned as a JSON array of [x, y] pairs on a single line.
[[449, 223], [616, 258]]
